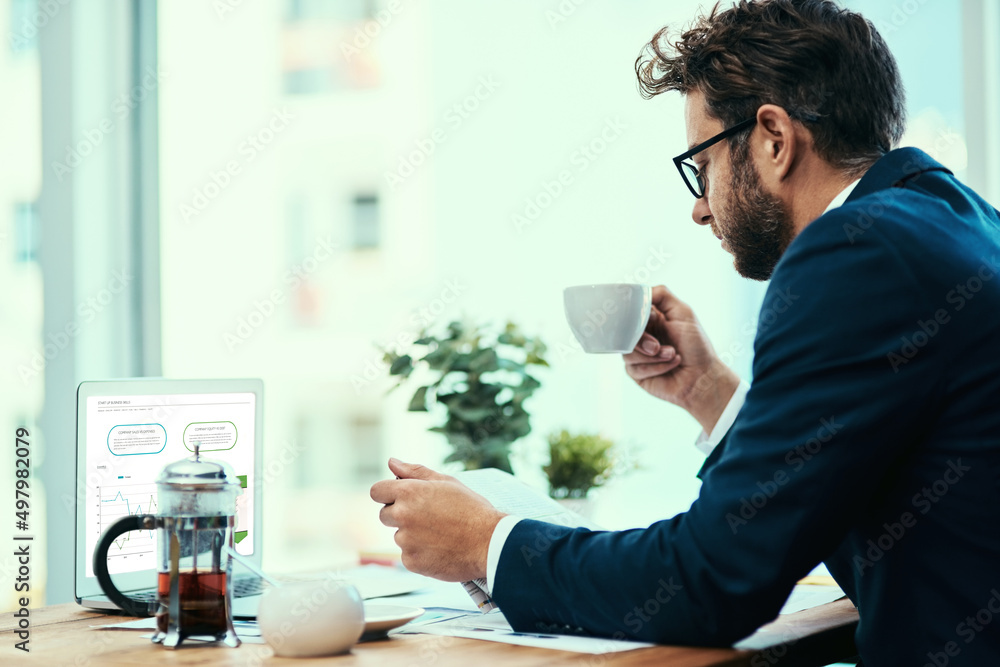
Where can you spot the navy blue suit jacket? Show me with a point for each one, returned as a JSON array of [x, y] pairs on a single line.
[[870, 440]]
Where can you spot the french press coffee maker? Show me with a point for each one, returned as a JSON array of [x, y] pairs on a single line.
[[197, 513]]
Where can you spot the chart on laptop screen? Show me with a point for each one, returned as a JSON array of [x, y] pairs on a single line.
[[130, 439]]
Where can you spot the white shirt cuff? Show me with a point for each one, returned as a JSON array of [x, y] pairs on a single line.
[[707, 442], [500, 535]]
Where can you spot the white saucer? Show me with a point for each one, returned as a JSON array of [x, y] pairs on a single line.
[[380, 618]]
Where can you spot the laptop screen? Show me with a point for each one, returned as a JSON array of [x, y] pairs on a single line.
[[131, 438]]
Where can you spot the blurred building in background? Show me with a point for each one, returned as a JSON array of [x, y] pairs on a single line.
[[22, 338], [394, 167], [328, 178]]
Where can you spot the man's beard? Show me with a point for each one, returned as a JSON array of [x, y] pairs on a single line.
[[758, 227]]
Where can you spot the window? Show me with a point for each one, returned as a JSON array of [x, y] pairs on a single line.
[[21, 326], [465, 151], [92, 235], [325, 46], [366, 227], [265, 164], [934, 94], [485, 183], [26, 19], [26, 232]]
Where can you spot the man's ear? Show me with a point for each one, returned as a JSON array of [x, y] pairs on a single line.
[[779, 140]]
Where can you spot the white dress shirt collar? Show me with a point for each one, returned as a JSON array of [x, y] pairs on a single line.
[[842, 197]]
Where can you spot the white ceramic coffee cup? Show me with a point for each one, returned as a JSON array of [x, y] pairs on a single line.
[[311, 618], [608, 318]]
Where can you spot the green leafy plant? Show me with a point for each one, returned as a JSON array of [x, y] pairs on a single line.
[[578, 463], [483, 382]]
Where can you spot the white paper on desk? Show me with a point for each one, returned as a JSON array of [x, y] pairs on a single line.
[[436, 595], [495, 628], [138, 624], [806, 596], [430, 616], [244, 629], [820, 571]]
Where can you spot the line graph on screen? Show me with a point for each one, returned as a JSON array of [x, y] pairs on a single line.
[[123, 500]]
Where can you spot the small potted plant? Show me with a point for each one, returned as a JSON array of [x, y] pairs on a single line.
[[482, 380], [578, 463]]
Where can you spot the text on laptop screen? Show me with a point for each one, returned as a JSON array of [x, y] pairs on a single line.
[[130, 439]]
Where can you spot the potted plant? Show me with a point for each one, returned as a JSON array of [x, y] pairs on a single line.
[[482, 381], [577, 464]]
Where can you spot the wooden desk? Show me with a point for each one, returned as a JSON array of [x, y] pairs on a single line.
[[61, 636]]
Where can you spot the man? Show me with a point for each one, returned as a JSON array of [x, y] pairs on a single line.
[[870, 436]]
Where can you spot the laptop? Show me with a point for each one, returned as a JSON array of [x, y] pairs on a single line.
[[127, 431]]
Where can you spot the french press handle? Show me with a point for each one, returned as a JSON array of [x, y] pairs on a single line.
[[131, 606]]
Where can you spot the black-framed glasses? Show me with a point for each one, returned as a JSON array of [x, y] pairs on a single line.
[[689, 171]]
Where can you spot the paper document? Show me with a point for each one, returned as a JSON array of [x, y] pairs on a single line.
[[805, 596], [495, 628], [435, 595], [512, 496]]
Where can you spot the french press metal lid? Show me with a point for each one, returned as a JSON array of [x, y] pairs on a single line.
[[197, 487]]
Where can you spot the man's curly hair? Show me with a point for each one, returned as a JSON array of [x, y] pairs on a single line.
[[826, 66]]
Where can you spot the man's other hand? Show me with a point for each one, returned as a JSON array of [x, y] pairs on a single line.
[[443, 528], [675, 361]]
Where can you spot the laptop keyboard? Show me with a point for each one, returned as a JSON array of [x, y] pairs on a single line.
[[247, 585], [243, 586]]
